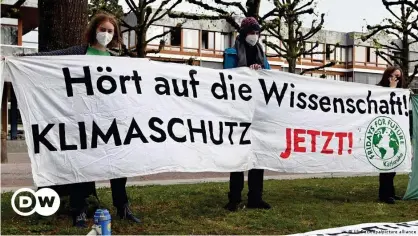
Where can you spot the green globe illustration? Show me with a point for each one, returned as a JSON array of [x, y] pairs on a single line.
[[385, 143]]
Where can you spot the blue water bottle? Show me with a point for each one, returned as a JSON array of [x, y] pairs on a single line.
[[102, 218]]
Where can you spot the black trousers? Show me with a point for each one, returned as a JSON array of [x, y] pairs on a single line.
[[255, 185], [80, 191], [386, 186]]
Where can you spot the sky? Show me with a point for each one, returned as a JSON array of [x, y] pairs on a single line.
[[340, 15]]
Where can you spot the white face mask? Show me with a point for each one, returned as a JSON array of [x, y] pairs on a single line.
[[104, 38], [252, 39]]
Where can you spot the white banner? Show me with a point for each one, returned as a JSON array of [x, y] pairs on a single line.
[[90, 118], [404, 228]]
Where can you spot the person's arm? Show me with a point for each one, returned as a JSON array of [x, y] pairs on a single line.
[[75, 50]]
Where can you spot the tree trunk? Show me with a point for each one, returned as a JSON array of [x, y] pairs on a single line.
[[253, 7], [292, 45], [292, 65], [61, 23], [405, 60]]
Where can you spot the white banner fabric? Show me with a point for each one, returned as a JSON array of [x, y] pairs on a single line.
[[90, 118]]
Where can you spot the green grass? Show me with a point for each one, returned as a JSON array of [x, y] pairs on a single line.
[[298, 206]]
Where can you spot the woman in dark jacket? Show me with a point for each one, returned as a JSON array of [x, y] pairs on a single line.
[[102, 33], [247, 52], [392, 77]]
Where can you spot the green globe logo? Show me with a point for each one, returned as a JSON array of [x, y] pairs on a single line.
[[385, 144]]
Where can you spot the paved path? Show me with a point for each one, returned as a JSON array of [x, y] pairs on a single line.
[[17, 173]]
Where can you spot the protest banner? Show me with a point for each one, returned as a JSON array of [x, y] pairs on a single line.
[[90, 118]]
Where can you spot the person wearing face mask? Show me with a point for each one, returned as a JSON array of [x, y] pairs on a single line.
[[102, 33], [392, 78], [247, 52]]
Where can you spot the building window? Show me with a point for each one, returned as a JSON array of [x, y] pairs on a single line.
[[153, 31], [190, 40], [328, 53], [368, 54], [308, 46], [349, 54], [318, 57], [360, 53], [208, 40], [132, 39], [215, 42], [175, 37]]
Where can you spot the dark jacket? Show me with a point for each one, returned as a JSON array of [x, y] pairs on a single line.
[[236, 56]]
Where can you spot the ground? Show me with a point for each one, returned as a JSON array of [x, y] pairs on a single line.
[[298, 206]]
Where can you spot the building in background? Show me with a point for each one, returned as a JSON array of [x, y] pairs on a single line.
[[204, 41], [18, 29]]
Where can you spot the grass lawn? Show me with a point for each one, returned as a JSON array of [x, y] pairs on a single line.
[[298, 206]]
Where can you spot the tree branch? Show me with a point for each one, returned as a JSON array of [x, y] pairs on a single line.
[[150, 1], [375, 29], [274, 46], [270, 13], [235, 4], [159, 36], [317, 68], [307, 4], [384, 58], [155, 51], [415, 73], [132, 6], [154, 18], [126, 25]]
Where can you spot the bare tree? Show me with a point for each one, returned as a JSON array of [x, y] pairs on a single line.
[[145, 17], [404, 31], [226, 10], [285, 12], [287, 27]]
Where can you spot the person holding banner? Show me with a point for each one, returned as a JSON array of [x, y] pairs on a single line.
[[392, 77], [247, 52], [102, 33]]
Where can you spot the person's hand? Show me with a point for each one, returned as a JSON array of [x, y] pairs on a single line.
[[393, 82], [255, 67]]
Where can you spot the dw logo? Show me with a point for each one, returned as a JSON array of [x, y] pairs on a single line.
[[47, 202]]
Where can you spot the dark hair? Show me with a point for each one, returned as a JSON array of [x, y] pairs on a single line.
[[385, 81], [90, 34]]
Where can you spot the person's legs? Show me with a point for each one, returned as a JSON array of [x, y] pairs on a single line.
[[386, 187], [236, 185], [120, 199], [255, 189], [79, 193]]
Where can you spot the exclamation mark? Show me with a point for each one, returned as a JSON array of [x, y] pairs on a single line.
[[405, 105], [350, 142]]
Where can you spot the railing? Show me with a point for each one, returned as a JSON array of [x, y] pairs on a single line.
[[371, 64], [9, 50]]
